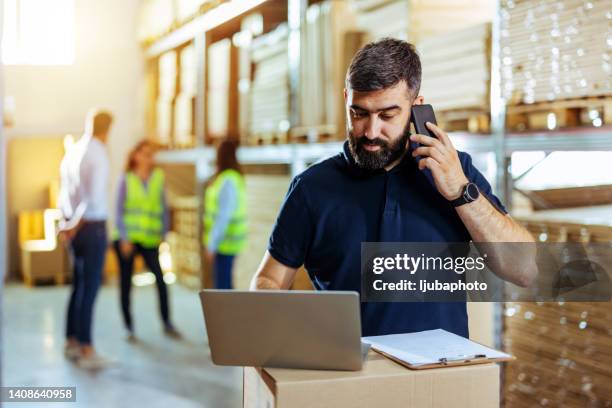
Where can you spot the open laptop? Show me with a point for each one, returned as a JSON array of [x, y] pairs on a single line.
[[288, 329]]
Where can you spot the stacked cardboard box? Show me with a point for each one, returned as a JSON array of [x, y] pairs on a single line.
[[269, 91], [264, 194], [381, 383], [185, 242], [456, 70], [322, 72], [42, 256], [555, 50]]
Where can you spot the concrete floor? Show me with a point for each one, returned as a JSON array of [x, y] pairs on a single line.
[[154, 372]]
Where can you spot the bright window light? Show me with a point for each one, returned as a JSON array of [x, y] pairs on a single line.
[[38, 32], [567, 169]]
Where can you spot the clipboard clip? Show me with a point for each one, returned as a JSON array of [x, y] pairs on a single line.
[[466, 358]]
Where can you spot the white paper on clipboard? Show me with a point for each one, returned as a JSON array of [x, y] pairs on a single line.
[[428, 347]]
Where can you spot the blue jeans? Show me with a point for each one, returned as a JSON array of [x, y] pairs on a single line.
[[223, 271], [88, 253]]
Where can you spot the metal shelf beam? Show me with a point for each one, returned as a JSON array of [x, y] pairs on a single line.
[[207, 21], [588, 139]]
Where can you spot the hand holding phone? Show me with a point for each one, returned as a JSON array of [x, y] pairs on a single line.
[[438, 156], [421, 114]]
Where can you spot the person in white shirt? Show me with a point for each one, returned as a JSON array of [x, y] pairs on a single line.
[[83, 201]]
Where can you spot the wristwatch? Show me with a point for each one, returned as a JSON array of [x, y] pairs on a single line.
[[470, 193]]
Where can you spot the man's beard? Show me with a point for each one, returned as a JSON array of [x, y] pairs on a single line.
[[387, 154]]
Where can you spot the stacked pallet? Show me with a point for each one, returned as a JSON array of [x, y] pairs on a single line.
[[557, 51], [323, 39], [185, 100], [268, 116], [559, 226], [264, 196], [562, 349], [456, 72], [167, 68], [185, 242], [563, 354]]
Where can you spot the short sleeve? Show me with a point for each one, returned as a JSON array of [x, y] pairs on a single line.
[[477, 178], [292, 232]]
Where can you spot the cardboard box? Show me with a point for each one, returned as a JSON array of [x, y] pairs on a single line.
[[36, 265], [381, 383]]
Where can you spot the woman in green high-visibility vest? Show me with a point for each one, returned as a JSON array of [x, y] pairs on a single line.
[[224, 215], [142, 220]]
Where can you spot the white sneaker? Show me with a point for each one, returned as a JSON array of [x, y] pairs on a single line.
[[94, 362], [72, 352]]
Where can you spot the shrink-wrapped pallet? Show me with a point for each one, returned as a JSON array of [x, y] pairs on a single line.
[[554, 50], [456, 68], [269, 90], [166, 92], [184, 104], [218, 88], [322, 72]]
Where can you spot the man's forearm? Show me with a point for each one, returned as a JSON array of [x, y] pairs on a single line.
[[486, 224], [272, 274], [515, 263], [262, 282]]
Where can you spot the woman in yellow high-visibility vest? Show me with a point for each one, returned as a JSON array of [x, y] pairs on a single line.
[[224, 215], [142, 220]]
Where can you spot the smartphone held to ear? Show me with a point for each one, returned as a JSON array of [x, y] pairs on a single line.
[[420, 115]]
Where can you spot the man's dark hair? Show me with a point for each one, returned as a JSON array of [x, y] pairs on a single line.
[[384, 63]]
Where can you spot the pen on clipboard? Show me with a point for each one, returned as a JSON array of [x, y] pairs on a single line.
[[444, 360]]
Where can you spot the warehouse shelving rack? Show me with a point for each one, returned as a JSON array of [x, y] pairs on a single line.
[[298, 156], [500, 142]]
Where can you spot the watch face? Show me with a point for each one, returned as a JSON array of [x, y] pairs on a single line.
[[471, 192]]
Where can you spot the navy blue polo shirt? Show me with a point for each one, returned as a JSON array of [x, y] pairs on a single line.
[[334, 206]]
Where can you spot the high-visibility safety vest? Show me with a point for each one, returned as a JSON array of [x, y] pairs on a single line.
[[143, 209], [235, 234]]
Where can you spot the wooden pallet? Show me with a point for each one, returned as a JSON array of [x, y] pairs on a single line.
[[564, 114], [558, 231], [314, 134], [476, 120], [272, 138]]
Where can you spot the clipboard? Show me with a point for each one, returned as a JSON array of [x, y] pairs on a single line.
[[434, 349], [455, 362]]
